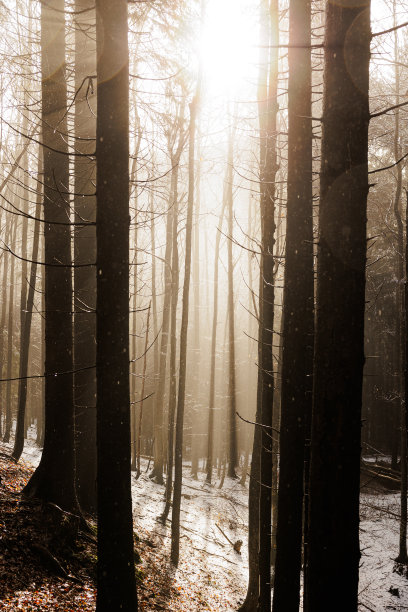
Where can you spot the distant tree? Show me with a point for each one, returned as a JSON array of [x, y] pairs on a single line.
[[175, 154], [115, 569], [178, 461], [4, 278], [334, 555], [232, 388], [10, 332], [25, 346], [211, 400]]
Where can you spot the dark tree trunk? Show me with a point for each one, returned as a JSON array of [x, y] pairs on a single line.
[[404, 416], [115, 570], [297, 340], [267, 104], [251, 600], [401, 306], [85, 253], [54, 478], [260, 488], [334, 553]]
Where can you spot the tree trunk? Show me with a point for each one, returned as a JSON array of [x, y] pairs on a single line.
[[232, 407], [115, 569], [7, 238], [54, 478], [10, 333], [157, 472], [173, 356], [334, 553], [196, 356], [178, 463], [25, 346], [297, 340], [211, 401], [85, 253], [140, 420], [267, 104]]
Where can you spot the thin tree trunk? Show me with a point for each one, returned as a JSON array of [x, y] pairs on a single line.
[[173, 355], [10, 334], [178, 464], [232, 408], [22, 395], [133, 371], [157, 472], [139, 430], [7, 238], [196, 411], [211, 400]]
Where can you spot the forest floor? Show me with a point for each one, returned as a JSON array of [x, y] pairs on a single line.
[[211, 574]]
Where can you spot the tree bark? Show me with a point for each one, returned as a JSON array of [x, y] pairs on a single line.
[[54, 478], [334, 553], [85, 253], [401, 306], [297, 340], [267, 104], [115, 569]]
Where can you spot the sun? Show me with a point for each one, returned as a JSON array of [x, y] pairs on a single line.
[[229, 45]]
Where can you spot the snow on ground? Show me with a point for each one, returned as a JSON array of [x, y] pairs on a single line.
[[212, 576], [379, 537], [207, 560]]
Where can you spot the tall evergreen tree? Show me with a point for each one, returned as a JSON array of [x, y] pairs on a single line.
[[334, 555], [54, 479], [84, 255], [297, 340], [268, 107], [115, 570]]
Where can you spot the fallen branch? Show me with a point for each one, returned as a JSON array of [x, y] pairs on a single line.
[[236, 546]]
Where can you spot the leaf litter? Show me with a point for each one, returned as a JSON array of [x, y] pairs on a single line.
[[211, 574]]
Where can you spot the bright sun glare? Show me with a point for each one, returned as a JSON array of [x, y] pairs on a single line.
[[229, 45]]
